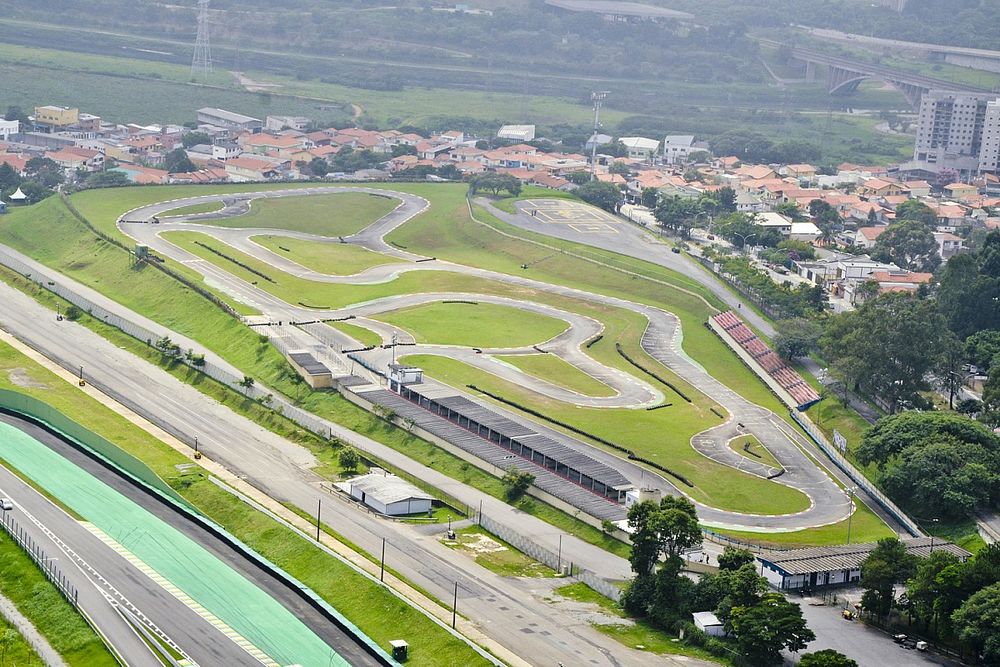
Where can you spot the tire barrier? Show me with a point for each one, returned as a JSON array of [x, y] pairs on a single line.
[[650, 373], [569, 427]]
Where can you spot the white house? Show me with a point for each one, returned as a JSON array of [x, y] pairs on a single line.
[[677, 148], [8, 127], [640, 148], [517, 133], [948, 244], [388, 494], [772, 220]]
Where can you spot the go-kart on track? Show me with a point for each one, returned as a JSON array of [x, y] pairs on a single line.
[[661, 340]]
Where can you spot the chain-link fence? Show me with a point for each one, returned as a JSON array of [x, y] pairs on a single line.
[[555, 561], [856, 475]]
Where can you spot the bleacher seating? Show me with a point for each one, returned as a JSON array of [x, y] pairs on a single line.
[[772, 364]]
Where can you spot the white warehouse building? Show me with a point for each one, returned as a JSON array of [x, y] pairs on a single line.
[[387, 494]]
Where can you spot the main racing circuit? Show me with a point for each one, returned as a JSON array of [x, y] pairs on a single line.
[[154, 226]]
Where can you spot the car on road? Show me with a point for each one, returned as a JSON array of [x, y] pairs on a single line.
[[6, 504]]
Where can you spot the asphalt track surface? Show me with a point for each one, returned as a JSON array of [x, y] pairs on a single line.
[[105, 580], [348, 648], [512, 611], [662, 340]]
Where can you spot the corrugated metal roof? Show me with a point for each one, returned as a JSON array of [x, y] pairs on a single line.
[[387, 489], [309, 363], [849, 557]]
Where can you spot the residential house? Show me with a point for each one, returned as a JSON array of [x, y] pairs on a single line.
[[747, 202], [918, 188], [900, 281], [948, 244], [278, 123], [256, 168], [877, 187], [640, 148], [143, 175], [802, 172], [16, 162], [677, 148], [518, 133], [8, 127], [961, 191], [865, 237]]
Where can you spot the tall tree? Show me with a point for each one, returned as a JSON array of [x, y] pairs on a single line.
[[677, 214], [888, 346], [177, 162], [826, 658], [914, 209], [908, 244], [969, 293], [888, 564], [602, 195], [796, 337], [977, 623], [937, 463], [769, 626]]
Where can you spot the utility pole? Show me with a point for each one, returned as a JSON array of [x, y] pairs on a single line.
[[201, 63], [597, 97], [319, 511]]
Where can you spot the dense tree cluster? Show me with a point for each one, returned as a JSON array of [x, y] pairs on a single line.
[[937, 464], [761, 624], [944, 597]]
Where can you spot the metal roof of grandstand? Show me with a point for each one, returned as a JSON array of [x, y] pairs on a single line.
[[309, 363], [545, 479]]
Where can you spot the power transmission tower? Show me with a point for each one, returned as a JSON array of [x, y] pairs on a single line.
[[201, 64], [597, 97]]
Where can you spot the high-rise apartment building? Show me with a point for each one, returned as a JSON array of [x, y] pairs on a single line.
[[989, 154], [954, 129]]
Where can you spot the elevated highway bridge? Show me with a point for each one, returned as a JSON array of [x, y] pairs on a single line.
[[845, 75]]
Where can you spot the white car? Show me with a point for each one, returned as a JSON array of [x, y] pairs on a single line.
[[6, 504]]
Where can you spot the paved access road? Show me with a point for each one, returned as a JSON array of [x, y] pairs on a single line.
[[506, 609]]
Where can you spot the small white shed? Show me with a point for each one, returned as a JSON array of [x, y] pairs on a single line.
[[388, 494], [708, 623]]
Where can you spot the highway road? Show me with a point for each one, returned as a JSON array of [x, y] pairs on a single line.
[[508, 610], [106, 581]]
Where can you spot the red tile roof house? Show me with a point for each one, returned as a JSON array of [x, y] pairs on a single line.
[[865, 237]]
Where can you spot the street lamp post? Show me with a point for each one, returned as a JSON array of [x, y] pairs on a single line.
[[745, 238]]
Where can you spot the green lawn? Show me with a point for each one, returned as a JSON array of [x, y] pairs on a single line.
[[747, 444], [474, 324], [554, 369], [340, 214], [366, 337], [865, 526], [632, 633], [17, 648], [377, 612], [43, 604], [714, 484], [496, 555], [194, 209], [335, 259]]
